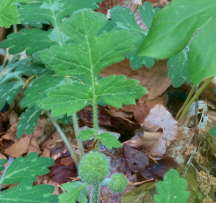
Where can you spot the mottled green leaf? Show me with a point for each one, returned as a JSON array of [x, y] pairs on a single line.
[[174, 26], [53, 11], [75, 191], [27, 168], [25, 192], [213, 131], [179, 72], [2, 162], [117, 90], [171, 189], [28, 121], [124, 18], [108, 140], [86, 134], [147, 12], [202, 53]]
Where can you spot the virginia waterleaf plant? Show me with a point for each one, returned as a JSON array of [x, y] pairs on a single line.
[[25, 171]]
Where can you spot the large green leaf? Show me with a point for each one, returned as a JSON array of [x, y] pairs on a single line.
[[202, 60], [74, 191], [172, 189], [86, 59], [179, 72], [2, 162], [174, 26], [24, 192], [26, 169], [147, 13], [28, 121]]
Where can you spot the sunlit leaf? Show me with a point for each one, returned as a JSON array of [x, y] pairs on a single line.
[[109, 140], [86, 134]]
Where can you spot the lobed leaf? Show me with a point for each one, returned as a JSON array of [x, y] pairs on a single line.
[[28, 121], [108, 140], [2, 162], [172, 189], [86, 134], [75, 191], [174, 26], [27, 168], [179, 72], [25, 192], [202, 58]]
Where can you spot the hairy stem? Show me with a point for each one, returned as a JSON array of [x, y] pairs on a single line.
[[204, 85], [95, 189], [186, 101], [95, 123], [76, 131], [63, 136]]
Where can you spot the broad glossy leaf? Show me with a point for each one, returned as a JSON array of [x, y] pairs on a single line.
[[213, 131], [202, 53], [172, 189], [108, 140], [31, 40], [27, 168], [124, 18], [179, 72], [75, 191], [25, 192], [39, 89], [53, 11], [86, 134], [174, 26], [2, 162], [147, 12], [68, 99], [28, 121], [117, 90]]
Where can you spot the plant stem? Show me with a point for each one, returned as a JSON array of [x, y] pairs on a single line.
[[76, 131], [204, 85], [186, 101], [67, 143], [95, 193], [95, 123]]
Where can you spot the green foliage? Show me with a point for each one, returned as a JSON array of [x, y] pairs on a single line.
[[74, 191], [26, 169], [94, 168], [174, 26], [28, 121], [179, 72], [24, 192], [2, 162], [109, 140], [172, 189], [213, 131], [118, 183], [214, 90]]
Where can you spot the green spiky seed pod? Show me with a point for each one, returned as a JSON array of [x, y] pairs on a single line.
[[118, 183], [93, 168]]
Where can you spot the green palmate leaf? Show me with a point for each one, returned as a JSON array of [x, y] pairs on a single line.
[[117, 90], [124, 18], [173, 27], [24, 192], [27, 169], [75, 191], [31, 40], [110, 141], [53, 11], [28, 121], [11, 81], [147, 13], [86, 59], [213, 131], [86, 134], [172, 189], [202, 60], [2, 162], [38, 90], [179, 72]]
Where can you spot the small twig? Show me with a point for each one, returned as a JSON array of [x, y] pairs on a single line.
[[46, 135], [139, 183]]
